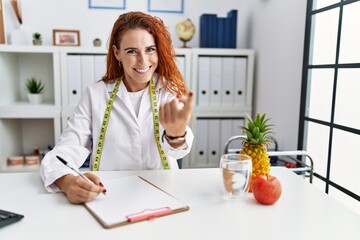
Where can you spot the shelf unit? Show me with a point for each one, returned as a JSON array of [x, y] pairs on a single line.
[[223, 82], [24, 126]]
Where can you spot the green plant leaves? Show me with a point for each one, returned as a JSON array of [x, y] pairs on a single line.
[[34, 86]]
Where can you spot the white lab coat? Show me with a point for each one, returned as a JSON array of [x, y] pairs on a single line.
[[129, 141]]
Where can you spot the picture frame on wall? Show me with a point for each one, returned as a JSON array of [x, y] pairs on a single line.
[[166, 6], [63, 37], [107, 4]]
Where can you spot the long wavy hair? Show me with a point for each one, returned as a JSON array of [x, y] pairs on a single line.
[[167, 70]]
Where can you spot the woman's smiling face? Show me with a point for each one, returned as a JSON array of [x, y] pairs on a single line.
[[139, 58]]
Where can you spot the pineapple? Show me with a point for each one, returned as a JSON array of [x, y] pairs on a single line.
[[255, 145]]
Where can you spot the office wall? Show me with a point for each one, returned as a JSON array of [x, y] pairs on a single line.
[[43, 16], [274, 28], [277, 35]]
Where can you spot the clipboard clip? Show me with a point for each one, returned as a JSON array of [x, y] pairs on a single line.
[[148, 214]]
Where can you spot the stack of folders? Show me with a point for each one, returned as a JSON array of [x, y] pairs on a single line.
[[216, 32], [222, 81], [212, 135]]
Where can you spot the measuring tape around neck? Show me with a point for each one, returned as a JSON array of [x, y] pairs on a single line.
[[105, 122], [155, 114]]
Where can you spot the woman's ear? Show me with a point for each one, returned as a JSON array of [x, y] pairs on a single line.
[[116, 52]]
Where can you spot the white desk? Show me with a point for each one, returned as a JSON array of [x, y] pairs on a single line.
[[302, 212]]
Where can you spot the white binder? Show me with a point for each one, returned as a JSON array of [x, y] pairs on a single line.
[[216, 81], [99, 67], [74, 79], [201, 138], [214, 142], [228, 81], [225, 133], [204, 81], [87, 71], [240, 81], [180, 63], [236, 123]]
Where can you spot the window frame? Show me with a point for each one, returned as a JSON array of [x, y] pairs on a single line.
[[310, 13]]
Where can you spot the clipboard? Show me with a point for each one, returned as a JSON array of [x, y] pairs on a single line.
[[132, 199]]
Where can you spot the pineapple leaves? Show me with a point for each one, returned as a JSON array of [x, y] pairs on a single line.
[[258, 130]]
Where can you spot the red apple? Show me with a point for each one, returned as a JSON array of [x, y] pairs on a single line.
[[266, 189]]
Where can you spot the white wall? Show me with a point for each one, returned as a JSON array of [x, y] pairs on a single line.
[[274, 28], [277, 35], [44, 15]]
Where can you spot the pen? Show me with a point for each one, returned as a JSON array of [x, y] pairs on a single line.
[[79, 173]]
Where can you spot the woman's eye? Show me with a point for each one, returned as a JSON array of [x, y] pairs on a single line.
[[131, 52], [151, 49]]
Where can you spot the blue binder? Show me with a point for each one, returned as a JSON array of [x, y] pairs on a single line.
[[232, 15], [218, 32], [220, 36]]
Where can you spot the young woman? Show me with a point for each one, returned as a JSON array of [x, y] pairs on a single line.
[[136, 117]]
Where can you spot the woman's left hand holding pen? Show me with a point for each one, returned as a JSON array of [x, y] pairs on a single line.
[[78, 190]]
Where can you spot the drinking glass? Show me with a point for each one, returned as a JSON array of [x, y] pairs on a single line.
[[236, 173]]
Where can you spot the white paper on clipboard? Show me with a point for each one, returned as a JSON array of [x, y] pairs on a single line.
[[126, 196]]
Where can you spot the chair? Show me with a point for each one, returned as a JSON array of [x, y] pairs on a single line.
[[295, 160]]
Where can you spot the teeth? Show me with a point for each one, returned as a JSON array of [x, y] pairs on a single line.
[[142, 70]]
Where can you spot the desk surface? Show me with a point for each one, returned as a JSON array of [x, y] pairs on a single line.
[[302, 212]]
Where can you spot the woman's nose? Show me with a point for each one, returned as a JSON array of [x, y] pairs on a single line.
[[141, 58]]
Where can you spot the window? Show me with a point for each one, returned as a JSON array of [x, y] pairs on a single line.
[[330, 104]]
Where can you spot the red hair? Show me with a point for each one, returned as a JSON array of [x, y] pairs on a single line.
[[167, 70]]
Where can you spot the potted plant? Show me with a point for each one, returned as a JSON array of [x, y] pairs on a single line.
[[35, 89], [97, 42], [37, 40]]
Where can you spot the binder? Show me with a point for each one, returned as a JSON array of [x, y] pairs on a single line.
[[214, 142], [99, 67], [201, 131], [208, 30], [232, 15], [220, 43], [87, 71], [213, 26], [226, 133], [227, 32], [240, 81], [228, 75], [132, 199], [215, 85], [236, 123], [180, 63], [204, 81], [205, 30], [74, 79]]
